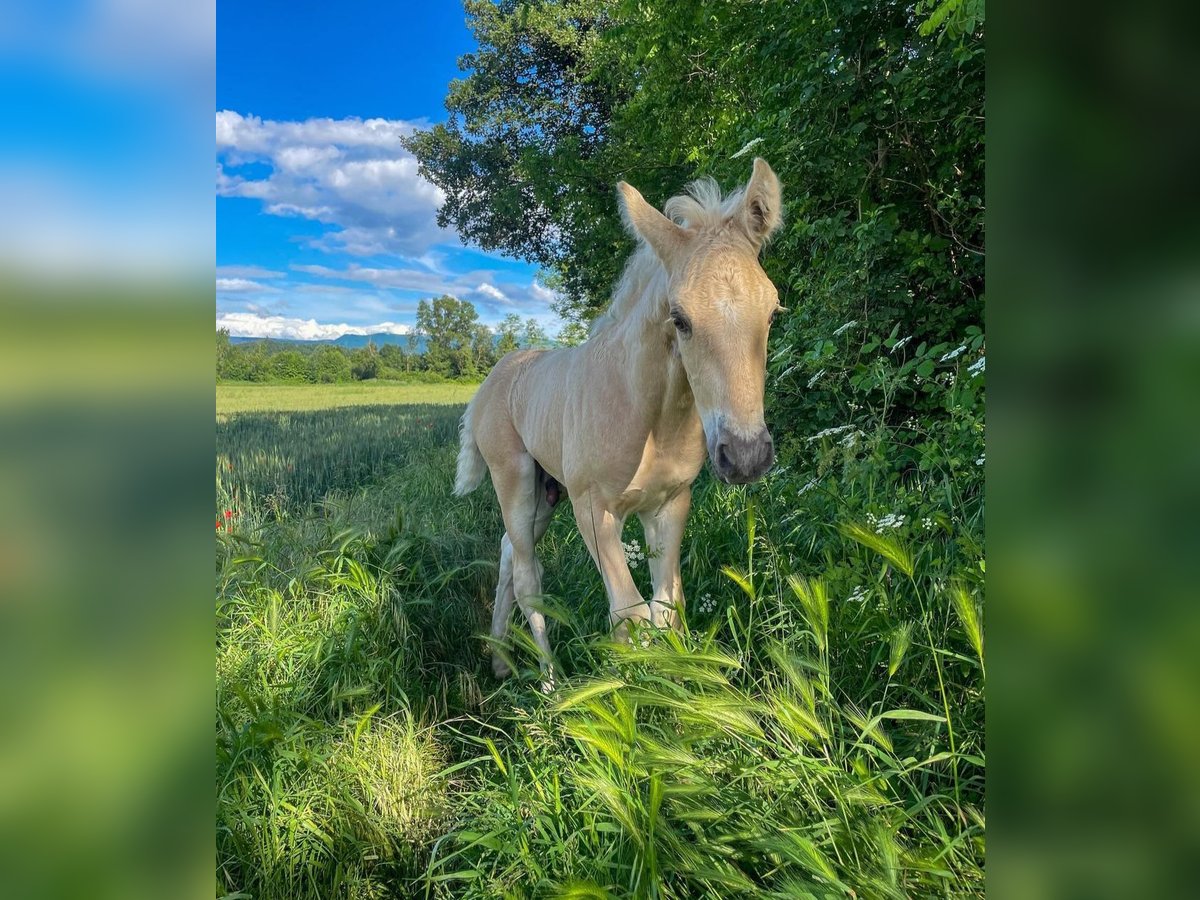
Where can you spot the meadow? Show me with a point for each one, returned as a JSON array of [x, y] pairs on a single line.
[[815, 730], [238, 397]]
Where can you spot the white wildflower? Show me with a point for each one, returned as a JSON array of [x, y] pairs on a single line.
[[846, 327], [815, 378], [883, 523], [900, 343], [979, 462], [707, 604], [859, 595], [829, 432], [808, 487], [633, 553], [976, 368], [749, 146], [955, 353], [851, 439], [927, 523]]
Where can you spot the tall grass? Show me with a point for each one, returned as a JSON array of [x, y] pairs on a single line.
[[815, 729]]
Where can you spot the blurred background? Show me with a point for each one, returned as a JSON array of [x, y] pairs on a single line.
[[106, 255], [106, 292], [1093, 463]]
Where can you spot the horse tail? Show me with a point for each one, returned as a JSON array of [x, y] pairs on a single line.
[[471, 467]]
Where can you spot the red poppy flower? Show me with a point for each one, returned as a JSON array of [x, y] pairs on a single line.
[[229, 513]]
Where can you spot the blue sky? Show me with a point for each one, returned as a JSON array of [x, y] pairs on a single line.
[[104, 149], [323, 224]]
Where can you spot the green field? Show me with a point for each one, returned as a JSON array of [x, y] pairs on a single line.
[[817, 730], [237, 397]]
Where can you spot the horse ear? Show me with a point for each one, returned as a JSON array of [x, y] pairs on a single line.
[[665, 238], [761, 210]]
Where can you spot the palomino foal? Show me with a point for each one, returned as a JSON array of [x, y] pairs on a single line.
[[673, 370]]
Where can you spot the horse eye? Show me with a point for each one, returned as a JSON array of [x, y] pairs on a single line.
[[682, 325]]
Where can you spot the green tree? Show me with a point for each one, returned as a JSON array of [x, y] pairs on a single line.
[[417, 359], [392, 356], [483, 348], [364, 362], [236, 364], [329, 365], [874, 125], [508, 334], [224, 348], [522, 156], [448, 325], [534, 335], [259, 360], [289, 365], [572, 334]]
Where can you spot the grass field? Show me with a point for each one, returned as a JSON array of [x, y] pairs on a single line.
[[237, 397], [816, 731]]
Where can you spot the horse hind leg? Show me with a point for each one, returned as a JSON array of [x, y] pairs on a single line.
[[526, 517], [505, 597]]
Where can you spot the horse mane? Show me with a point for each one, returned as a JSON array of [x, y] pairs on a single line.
[[701, 207]]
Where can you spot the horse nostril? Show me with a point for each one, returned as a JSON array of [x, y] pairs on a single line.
[[768, 448], [723, 461]]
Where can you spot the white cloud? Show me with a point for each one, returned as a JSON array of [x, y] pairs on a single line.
[[535, 296], [540, 293], [352, 174], [241, 286], [397, 279], [247, 272], [267, 326], [489, 291]]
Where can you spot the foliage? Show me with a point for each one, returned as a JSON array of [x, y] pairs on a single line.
[[330, 364], [450, 328], [508, 334], [875, 125], [456, 346], [527, 129], [572, 334]]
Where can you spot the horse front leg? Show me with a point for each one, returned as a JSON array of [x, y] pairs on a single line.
[[601, 530], [664, 536]]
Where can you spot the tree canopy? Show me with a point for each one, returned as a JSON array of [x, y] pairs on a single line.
[[871, 114], [450, 326]]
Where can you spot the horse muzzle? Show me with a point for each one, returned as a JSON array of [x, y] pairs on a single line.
[[738, 459]]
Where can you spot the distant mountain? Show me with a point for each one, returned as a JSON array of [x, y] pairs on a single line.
[[360, 340], [349, 341]]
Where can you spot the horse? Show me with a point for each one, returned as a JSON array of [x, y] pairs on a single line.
[[673, 371]]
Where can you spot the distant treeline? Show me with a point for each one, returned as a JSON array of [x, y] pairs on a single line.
[[449, 342]]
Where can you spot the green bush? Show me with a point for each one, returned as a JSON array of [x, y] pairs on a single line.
[[329, 365], [290, 366]]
